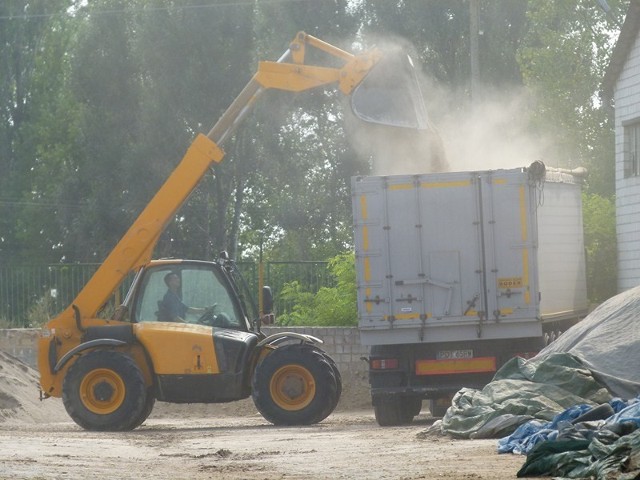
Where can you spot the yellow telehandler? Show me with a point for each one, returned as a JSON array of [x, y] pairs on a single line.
[[186, 331]]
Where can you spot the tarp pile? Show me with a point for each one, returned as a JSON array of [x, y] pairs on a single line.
[[582, 446], [537, 405]]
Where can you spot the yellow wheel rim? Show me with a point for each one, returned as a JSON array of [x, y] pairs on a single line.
[[292, 387], [102, 391]]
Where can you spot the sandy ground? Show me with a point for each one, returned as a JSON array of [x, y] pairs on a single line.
[[231, 441]]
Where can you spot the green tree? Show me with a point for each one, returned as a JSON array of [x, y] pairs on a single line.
[[563, 57], [25, 28], [185, 94], [438, 30], [48, 198], [600, 246], [330, 306], [303, 207]]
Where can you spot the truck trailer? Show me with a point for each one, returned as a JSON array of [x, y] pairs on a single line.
[[458, 272]]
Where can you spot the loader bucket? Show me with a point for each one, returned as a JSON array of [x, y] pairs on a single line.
[[390, 95]]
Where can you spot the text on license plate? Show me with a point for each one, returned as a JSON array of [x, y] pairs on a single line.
[[452, 354]]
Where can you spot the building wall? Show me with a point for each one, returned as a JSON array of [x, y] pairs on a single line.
[[627, 108], [342, 344]]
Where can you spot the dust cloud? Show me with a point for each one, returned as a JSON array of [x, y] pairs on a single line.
[[491, 133], [460, 135]]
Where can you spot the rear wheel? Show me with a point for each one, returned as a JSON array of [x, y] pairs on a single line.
[[294, 385], [439, 407], [396, 410], [104, 390]]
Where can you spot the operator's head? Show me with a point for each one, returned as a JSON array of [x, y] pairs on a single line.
[[172, 280]]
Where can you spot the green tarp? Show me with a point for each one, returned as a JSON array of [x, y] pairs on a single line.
[[522, 390]]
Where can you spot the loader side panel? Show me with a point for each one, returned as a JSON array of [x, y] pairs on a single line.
[[196, 363]]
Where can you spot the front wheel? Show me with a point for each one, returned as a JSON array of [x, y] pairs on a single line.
[[104, 390], [294, 385]]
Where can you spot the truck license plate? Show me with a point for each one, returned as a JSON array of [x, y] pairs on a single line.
[[453, 354]]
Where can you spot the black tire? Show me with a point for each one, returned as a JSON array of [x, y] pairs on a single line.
[[331, 406], [294, 385], [336, 373], [413, 406], [391, 411], [104, 391], [437, 410], [148, 408]]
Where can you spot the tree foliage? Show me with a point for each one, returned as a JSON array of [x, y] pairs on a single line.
[[563, 57], [329, 306], [600, 246], [99, 100]]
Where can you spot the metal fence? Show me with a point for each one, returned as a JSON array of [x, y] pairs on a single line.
[[29, 294]]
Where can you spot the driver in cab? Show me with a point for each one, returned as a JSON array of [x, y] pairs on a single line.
[[173, 309]]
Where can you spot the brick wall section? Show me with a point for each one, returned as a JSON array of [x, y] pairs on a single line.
[[341, 343]]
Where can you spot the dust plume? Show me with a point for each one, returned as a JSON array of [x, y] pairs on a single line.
[[490, 133], [459, 135]]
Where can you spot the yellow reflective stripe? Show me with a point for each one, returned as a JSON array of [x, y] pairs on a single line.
[[404, 316], [523, 214], [525, 251], [367, 270], [365, 238], [460, 183], [402, 186], [363, 207]]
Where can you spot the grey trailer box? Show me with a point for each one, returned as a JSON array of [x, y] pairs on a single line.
[[468, 256]]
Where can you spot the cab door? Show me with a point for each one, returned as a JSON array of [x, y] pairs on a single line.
[[185, 346]]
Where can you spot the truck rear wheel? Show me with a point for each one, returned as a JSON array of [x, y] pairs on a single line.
[[439, 407], [294, 385], [104, 391], [397, 410]]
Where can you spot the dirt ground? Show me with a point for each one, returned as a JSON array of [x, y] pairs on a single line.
[[230, 441]]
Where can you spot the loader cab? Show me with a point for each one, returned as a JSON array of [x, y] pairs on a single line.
[[195, 292]]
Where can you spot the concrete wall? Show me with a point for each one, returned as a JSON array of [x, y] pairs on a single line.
[[343, 344]]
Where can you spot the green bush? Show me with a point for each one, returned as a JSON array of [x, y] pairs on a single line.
[[330, 306], [601, 246]]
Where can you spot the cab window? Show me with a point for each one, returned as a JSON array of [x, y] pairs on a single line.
[[187, 293]]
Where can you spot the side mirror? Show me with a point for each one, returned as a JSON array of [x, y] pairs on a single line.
[[267, 300]]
